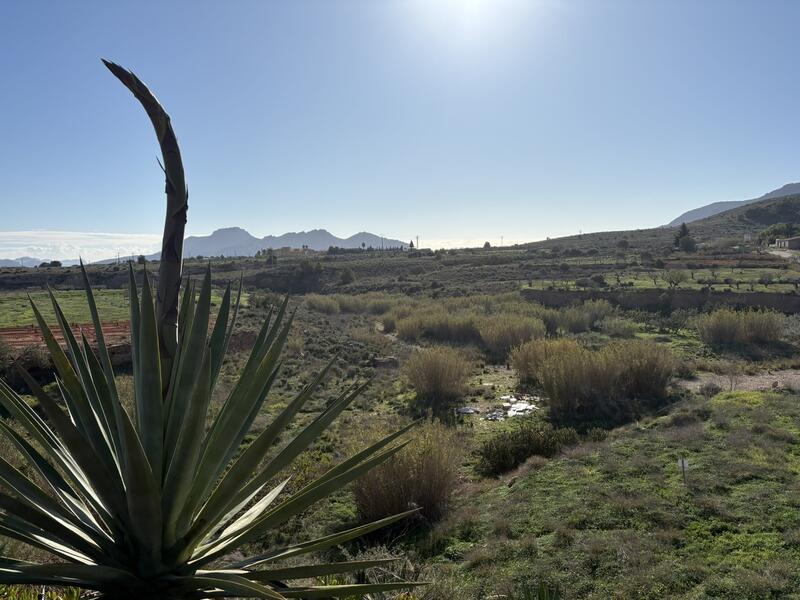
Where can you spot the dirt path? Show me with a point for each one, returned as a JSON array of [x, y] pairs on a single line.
[[782, 379]]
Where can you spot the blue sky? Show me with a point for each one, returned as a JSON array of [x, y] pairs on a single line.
[[454, 120]]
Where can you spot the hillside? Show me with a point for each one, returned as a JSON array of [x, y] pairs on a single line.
[[727, 227], [715, 208]]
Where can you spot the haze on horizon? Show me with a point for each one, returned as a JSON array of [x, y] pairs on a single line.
[[455, 120]]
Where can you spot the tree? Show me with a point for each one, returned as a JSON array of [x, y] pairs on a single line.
[[683, 231], [411, 245], [687, 244], [623, 244], [149, 505], [675, 277], [141, 259], [486, 245], [347, 276]]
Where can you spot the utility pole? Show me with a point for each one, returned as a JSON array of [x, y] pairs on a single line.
[[417, 242], [501, 241]]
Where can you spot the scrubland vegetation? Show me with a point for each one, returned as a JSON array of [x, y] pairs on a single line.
[[582, 492]]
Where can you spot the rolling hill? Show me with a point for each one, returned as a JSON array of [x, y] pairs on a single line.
[[730, 225], [715, 208]]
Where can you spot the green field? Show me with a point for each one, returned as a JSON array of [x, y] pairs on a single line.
[[16, 311]]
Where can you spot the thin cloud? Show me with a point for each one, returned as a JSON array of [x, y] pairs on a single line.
[[69, 245]]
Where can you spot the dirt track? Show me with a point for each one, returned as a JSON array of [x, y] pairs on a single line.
[[19, 338], [783, 379]]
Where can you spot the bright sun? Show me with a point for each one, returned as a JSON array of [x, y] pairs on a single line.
[[466, 21]]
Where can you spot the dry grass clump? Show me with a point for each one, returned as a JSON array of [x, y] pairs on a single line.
[[326, 305], [440, 326], [726, 327], [423, 475], [528, 358], [501, 334], [618, 327], [438, 375], [602, 388]]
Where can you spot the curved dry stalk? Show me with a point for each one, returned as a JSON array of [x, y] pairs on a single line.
[[169, 270]]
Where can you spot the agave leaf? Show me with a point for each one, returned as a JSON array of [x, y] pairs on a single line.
[[184, 459], [302, 441], [252, 514], [354, 590], [319, 544], [308, 571], [60, 486], [74, 395], [76, 456], [96, 576], [17, 529], [149, 402], [219, 336], [191, 357], [226, 434], [230, 585], [51, 525], [290, 507], [225, 495], [102, 350]]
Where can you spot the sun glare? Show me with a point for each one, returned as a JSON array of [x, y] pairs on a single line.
[[467, 23]]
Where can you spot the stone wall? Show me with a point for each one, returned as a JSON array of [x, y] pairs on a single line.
[[662, 299]]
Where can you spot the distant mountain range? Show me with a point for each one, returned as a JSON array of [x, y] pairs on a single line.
[[717, 207], [235, 241]]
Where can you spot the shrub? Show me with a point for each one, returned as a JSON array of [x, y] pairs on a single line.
[[709, 389], [527, 359], [502, 333], [725, 327], [424, 474], [618, 327], [763, 327], [323, 304], [389, 324], [509, 449], [603, 388], [598, 309], [379, 306], [574, 319], [351, 304], [347, 276], [438, 375]]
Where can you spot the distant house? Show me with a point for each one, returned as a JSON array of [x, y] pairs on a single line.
[[791, 243]]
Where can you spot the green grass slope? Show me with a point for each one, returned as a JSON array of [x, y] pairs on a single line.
[[615, 519]]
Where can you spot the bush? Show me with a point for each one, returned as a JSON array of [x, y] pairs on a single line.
[[389, 324], [355, 305], [509, 449], [603, 388], [709, 389], [618, 327], [502, 333], [323, 304], [725, 327], [423, 475], [527, 359], [438, 375]]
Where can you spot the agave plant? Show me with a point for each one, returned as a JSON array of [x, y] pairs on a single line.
[[150, 504]]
